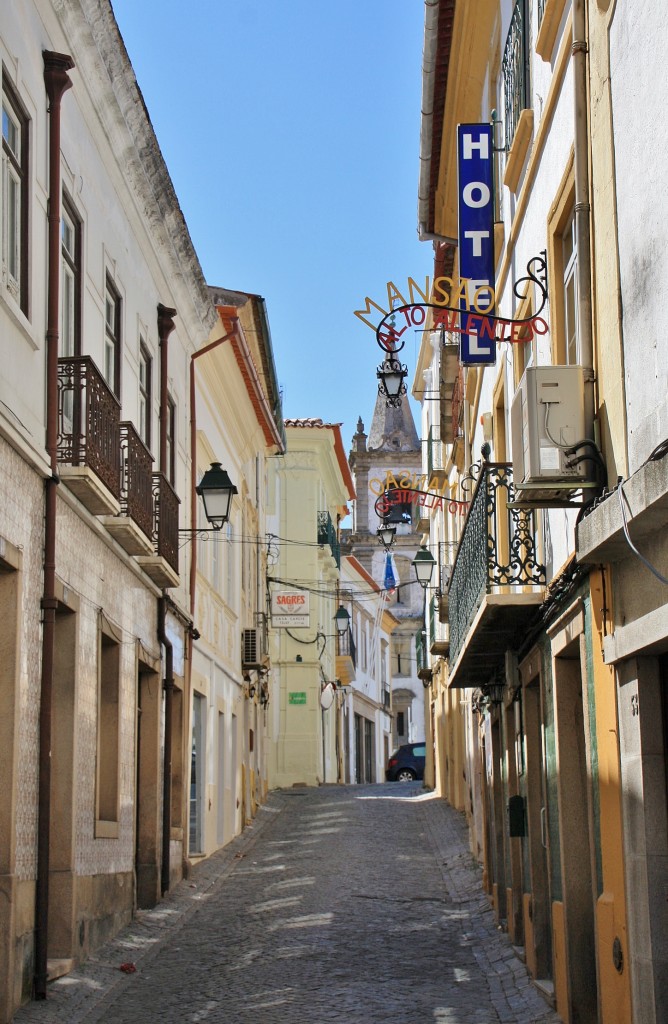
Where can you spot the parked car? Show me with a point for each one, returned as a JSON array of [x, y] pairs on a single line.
[[406, 763]]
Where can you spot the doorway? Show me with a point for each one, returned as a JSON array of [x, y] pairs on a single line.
[[538, 927]]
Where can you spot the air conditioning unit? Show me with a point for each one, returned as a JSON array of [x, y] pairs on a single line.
[[253, 654], [547, 418]]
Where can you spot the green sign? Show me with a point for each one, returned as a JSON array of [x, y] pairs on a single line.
[[296, 698]]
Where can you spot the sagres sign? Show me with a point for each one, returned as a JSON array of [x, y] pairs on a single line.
[[290, 608]]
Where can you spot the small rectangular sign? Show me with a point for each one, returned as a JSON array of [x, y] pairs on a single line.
[[296, 698], [290, 608], [475, 163]]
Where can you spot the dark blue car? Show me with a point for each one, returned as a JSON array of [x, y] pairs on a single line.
[[406, 763]]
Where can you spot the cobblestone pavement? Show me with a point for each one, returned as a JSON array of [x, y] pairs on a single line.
[[357, 904]]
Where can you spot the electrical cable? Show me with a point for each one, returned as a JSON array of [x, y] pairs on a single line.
[[646, 563]]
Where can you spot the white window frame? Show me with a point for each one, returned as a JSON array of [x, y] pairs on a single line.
[[571, 341], [13, 197]]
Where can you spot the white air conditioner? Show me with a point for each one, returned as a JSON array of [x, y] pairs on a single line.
[[547, 418], [252, 653]]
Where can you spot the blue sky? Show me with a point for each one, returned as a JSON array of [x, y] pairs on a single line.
[[291, 131]]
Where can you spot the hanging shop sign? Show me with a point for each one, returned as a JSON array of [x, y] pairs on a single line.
[[406, 480], [475, 185], [290, 608], [453, 300], [396, 496]]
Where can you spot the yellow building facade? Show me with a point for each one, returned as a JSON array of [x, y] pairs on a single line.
[[536, 710], [309, 489]]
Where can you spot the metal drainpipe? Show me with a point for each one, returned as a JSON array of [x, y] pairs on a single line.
[[56, 80], [168, 684], [582, 210], [165, 327]]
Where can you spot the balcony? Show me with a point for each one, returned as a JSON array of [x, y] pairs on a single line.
[[439, 632], [443, 562], [518, 113], [163, 564], [496, 584], [450, 374], [346, 657], [435, 460], [133, 527], [516, 71], [89, 453], [421, 659], [327, 535]]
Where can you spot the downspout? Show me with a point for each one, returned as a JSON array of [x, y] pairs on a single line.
[[165, 327], [56, 80], [427, 117], [168, 684], [582, 210], [193, 457]]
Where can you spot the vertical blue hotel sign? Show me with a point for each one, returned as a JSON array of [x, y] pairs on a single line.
[[476, 237]]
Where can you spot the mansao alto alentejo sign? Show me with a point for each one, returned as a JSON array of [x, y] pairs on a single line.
[[406, 491], [444, 296]]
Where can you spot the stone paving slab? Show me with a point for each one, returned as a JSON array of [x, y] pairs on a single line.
[[359, 904]]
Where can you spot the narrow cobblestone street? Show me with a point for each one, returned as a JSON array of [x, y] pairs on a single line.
[[356, 904]]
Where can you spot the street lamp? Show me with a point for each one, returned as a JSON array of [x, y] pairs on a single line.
[[216, 491], [391, 385], [386, 534], [424, 563], [495, 691], [342, 619]]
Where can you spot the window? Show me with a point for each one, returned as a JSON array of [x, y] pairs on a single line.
[[170, 468], [569, 257], [112, 337], [70, 298], [515, 69], [145, 372], [108, 725], [197, 773], [229, 555], [14, 201], [215, 562]]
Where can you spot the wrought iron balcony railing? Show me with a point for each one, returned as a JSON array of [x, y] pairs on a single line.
[[439, 631], [516, 70], [166, 520], [136, 479], [345, 646], [497, 551], [327, 535], [421, 656], [457, 404], [435, 451], [89, 416]]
